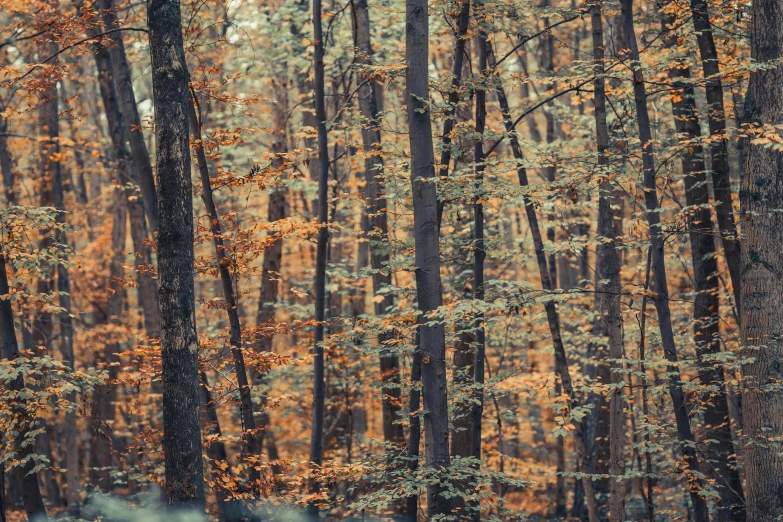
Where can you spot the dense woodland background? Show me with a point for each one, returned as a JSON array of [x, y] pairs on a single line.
[[446, 260]]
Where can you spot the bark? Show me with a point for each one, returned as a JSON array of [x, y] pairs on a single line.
[[232, 312], [49, 119], [51, 195], [477, 408], [105, 396], [316, 435], [454, 95], [414, 435], [179, 342], [130, 112], [228, 510], [427, 257], [277, 209], [128, 176], [31, 492], [660, 287], [378, 225], [6, 165], [720, 461], [716, 117], [762, 283], [553, 318], [609, 322]]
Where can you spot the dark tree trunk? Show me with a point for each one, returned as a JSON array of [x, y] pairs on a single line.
[[130, 112], [454, 94], [720, 460], [31, 492], [553, 318], [716, 114], [105, 396], [762, 284], [6, 165], [477, 409], [179, 342], [228, 510], [43, 328], [609, 322], [128, 175], [414, 436], [268, 298], [660, 287], [378, 225], [71, 447], [223, 263], [316, 435], [427, 257]]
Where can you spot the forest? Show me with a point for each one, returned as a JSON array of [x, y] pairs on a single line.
[[447, 260]]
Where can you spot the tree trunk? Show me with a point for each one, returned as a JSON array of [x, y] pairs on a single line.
[[454, 94], [130, 112], [716, 114], [105, 396], [31, 492], [414, 435], [223, 261], [553, 319], [427, 257], [609, 321], [228, 510], [268, 298], [71, 447], [51, 176], [316, 435], [6, 165], [660, 287], [477, 409], [762, 284], [378, 226], [720, 461], [128, 175], [179, 342]]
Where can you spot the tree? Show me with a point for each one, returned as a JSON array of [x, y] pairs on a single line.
[[427, 259], [316, 435], [609, 321], [761, 287], [660, 286], [179, 342]]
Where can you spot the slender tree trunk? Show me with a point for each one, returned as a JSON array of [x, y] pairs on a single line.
[[130, 112], [49, 148], [660, 287], [720, 461], [762, 284], [128, 175], [228, 510], [223, 261], [105, 396], [716, 114], [477, 408], [414, 435], [71, 447], [6, 165], [268, 298], [179, 342], [454, 95], [378, 225], [609, 322], [427, 257], [553, 319], [31, 492], [316, 436]]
